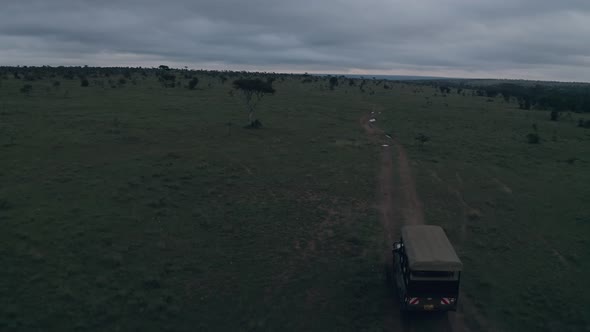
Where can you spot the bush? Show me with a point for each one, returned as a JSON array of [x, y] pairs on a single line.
[[192, 84], [333, 82], [84, 83], [254, 125], [533, 138], [583, 123], [4, 205], [554, 115], [26, 89], [422, 138]]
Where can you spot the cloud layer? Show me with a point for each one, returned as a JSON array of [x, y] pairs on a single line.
[[533, 39]]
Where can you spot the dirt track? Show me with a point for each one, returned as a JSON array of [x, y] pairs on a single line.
[[399, 204]]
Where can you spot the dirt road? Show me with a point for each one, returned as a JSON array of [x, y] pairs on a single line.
[[399, 204]]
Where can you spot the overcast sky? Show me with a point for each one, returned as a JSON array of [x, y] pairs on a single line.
[[530, 39]]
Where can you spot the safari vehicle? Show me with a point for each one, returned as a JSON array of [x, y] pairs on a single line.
[[426, 269]]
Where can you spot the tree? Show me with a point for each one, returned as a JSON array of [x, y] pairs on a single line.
[[524, 103], [167, 80], [534, 138], [192, 84], [333, 82], [253, 90], [444, 89]]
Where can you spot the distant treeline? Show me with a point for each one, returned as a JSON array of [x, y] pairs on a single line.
[[555, 97], [120, 76], [33, 73], [171, 77], [529, 95]]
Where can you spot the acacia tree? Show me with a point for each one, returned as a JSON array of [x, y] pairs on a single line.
[[253, 90]]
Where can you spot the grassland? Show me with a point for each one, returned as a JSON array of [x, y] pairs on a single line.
[[518, 212], [148, 208]]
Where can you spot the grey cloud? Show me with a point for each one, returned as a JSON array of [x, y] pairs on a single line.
[[504, 38]]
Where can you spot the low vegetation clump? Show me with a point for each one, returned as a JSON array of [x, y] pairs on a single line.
[[26, 89], [533, 138], [192, 84]]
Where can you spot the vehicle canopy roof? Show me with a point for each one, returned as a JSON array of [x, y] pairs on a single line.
[[428, 249]]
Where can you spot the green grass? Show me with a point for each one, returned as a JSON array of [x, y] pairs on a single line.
[[145, 208], [523, 229], [140, 208]]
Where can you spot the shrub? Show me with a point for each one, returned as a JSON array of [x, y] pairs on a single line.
[[333, 82], [554, 115], [192, 84], [4, 205], [422, 138], [26, 89], [84, 83], [533, 138]]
